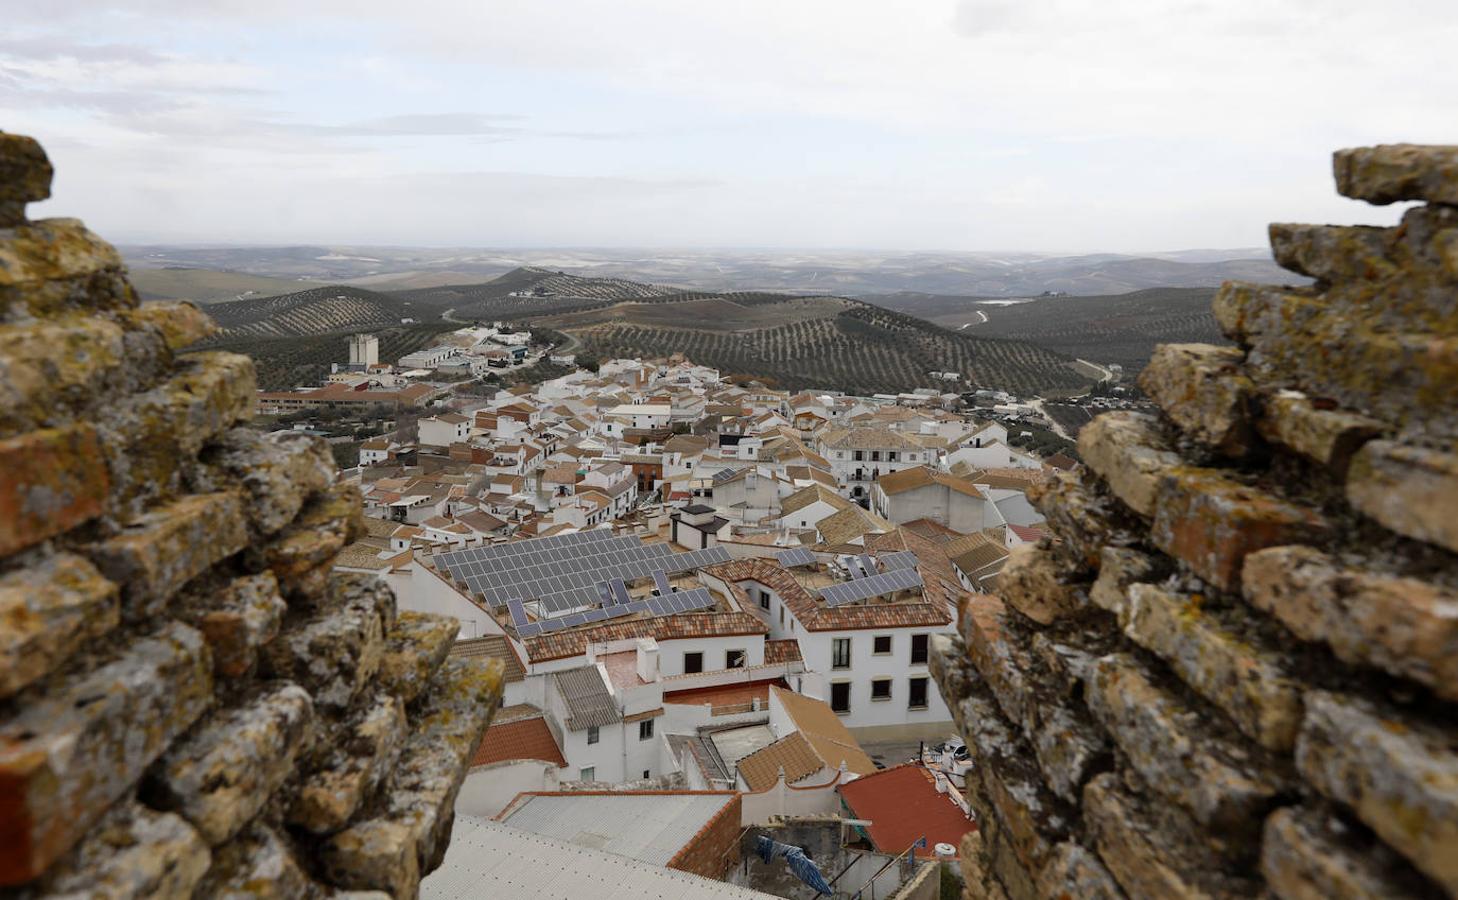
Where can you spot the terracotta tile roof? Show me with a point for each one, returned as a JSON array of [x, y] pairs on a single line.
[[849, 524], [793, 753], [493, 646], [866, 437], [522, 739], [923, 476], [736, 694], [939, 579], [1030, 533], [812, 614], [827, 734], [782, 651], [573, 642], [975, 552], [904, 806], [808, 495]]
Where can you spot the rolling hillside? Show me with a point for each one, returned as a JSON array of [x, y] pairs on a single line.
[[1122, 329], [208, 285], [317, 311], [536, 291]]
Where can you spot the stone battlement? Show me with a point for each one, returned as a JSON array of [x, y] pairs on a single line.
[[1236, 670], [191, 701]]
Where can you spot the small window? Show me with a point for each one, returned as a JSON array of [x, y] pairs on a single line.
[[881, 644], [840, 653], [917, 699], [645, 727], [734, 659], [646, 776], [593, 735], [782, 614], [588, 774], [840, 696], [881, 689], [693, 662], [764, 599], [919, 643]]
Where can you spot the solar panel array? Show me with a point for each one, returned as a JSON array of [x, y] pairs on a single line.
[[872, 586], [798, 556], [574, 576], [901, 559]]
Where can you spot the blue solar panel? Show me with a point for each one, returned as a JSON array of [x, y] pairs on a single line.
[[874, 586], [797, 556], [901, 559], [660, 582], [868, 564]]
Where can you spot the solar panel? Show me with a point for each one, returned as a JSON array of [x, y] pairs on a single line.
[[853, 567], [619, 591], [798, 556], [660, 583], [696, 598], [901, 559], [868, 564], [518, 614], [530, 629], [874, 586]]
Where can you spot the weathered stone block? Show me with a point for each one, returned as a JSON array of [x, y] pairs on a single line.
[[1036, 585], [416, 648], [1119, 568], [1149, 852], [1405, 626], [1246, 312], [1388, 173], [1202, 389], [407, 839], [51, 369], [1086, 519], [1327, 437], [336, 652], [25, 176], [1334, 252], [170, 546], [1074, 871], [351, 766], [237, 620], [48, 610], [1411, 490], [180, 323], [1309, 854], [1223, 659], [133, 853], [56, 264], [331, 520], [226, 770], [54, 480], [1212, 521], [1129, 453], [257, 865], [69, 755], [1179, 752], [279, 473], [1398, 775]]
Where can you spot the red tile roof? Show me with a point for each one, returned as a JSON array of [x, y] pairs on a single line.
[[724, 694], [782, 651], [522, 739], [574, 641], [814, 616], [904, 806]]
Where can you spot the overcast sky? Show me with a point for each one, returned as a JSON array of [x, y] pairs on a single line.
[[1070, 125]]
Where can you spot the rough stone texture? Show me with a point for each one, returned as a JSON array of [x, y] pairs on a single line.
[[1411, 490], [1203, 391], [1327, 437], [170, 546], [71, 754], [1038, 587], [134, 853], [137, 596], [1211, 521], [225, 771], [1221, 660], [51, 484], [1128, 451], [1180, 752], [48, 610], [1405, 626], [351, 764], [1280, 562], [1398, 775], [1389, 173], [1309, 854]]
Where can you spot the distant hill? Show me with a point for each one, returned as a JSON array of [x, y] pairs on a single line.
[[537, 290], [324, 310], [1122, 328], [208, 285]]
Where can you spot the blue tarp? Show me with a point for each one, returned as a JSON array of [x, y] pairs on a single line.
[[803, 867]]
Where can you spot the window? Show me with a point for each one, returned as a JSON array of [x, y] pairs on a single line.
[[840, 696], [859, 455], [593, 735], [646, 776], [764, 599], [881, 689], [917, 699], [881, 644], [919, 643], [782, 614], [693, 662], [588, 774], [734, 659], [645, 727], [840, 653]]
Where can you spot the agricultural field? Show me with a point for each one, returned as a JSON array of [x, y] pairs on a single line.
[[540, 291], [205, 286], [1121, 328], [304, 360], [317, 311]]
